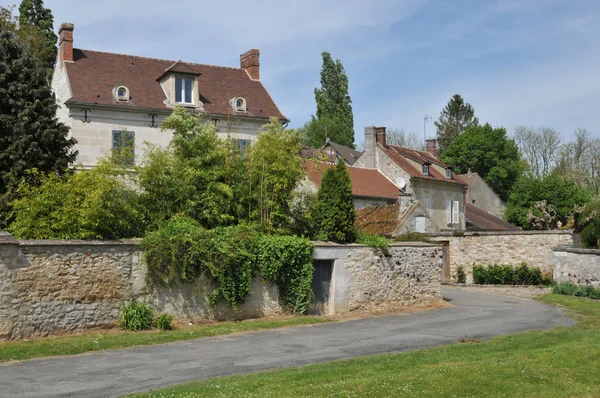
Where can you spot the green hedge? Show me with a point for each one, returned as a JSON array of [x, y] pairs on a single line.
[[509, 275]]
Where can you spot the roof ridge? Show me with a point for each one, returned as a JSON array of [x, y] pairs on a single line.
[[158, 59]]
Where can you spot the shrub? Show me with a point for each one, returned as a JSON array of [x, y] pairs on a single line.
[[376, 241], [136, 317], [461, 276], [164, 321], [590, 235], [571, 289], [412, 237], [507, 275]]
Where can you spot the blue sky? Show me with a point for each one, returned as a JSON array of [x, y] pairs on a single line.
[[532, 62]]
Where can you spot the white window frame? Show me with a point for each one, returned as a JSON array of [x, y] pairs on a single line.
[[448, 173], [455, 212], [448, 212], [183, 79], [426, 169]]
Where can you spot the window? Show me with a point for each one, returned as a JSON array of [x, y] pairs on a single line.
[[426, 169], [121, 93], [427, 203], [123, 146], [239, 104], [448, 173], [242, 145], [452, 212], [183, 90]]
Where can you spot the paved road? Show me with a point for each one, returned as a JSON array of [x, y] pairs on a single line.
[[117, 372]]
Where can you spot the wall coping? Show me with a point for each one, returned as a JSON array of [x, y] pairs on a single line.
[[501, 233], [568, 249]]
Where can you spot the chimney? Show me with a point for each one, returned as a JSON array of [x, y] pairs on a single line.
[[65, 43], [370, 146], [380, 135], [249, 61], [431, 146]]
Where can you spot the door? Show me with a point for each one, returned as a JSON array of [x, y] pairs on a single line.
[[321, 286]]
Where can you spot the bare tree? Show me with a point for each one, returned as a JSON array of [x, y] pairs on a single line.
[[539, 147], [399, 137], [580, 160]]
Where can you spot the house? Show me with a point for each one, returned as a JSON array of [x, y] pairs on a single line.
[[420, 175], [110, 100], [341, 152], [480, 195], [405, 216], [369, 186]]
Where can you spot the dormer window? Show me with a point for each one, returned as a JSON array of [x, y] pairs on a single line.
[[239, 104], [121, 93], [426, 169], [448, 173], [184, 90]]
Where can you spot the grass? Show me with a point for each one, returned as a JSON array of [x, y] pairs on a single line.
[[88, 342], [563, 362]]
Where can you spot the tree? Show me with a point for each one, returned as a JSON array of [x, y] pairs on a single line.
[[539, 148], [580, 161], [336, 208], [316, 132], [490, 153], [31, 136], [559, 192], [399, 137], [333, 99], [36, 27], [455, 118]]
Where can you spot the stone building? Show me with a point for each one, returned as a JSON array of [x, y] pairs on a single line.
[[481, 196], [115, 100], [421, 176]]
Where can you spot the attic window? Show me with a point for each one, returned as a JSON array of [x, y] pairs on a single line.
[[184, 90], [122, 93], [239, 104], [448, 173], [426, 169]]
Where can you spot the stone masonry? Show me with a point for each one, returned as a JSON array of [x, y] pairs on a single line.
[[580, 266]]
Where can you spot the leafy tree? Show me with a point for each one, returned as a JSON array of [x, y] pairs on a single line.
[[30, 134], [336, 208], [333, 99], [561, 193], [316, 132], [36, 26], [590, 235], [490, 153], [455, 118]]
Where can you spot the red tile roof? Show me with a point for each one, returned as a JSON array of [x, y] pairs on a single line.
[[94, 75], [467, 178], [479, 220], [402, 155], [365, 182]]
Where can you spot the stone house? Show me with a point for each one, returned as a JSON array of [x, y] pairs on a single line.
[[480, 195], [341, 152], [421, 177], [115, 100]]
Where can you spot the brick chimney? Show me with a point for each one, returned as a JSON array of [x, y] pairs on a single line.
[[431, 146], [249, 61], [380, 135], [65, 43]]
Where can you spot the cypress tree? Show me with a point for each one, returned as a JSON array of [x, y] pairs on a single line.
[[454, 119], [30, 134], [333, 99], [336, 208]]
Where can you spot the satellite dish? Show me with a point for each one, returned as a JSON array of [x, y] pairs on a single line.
[[401, 182]]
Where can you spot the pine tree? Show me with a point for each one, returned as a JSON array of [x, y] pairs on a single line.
[[454, 119], [336, 208], [30, 134], [333, 100], [36, 27]]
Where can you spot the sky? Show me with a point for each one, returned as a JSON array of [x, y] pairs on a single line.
[[517, 62]]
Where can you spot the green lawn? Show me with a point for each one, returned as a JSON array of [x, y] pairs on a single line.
[[564, 362], [80, 343]]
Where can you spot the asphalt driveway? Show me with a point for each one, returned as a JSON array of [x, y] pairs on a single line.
[[116, 372]]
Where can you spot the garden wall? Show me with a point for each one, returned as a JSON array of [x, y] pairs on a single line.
[[510, 247], [580, 266], [49, 287]]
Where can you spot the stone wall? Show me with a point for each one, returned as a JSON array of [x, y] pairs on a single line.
[[513, 247], [49, 287], [580, 266]]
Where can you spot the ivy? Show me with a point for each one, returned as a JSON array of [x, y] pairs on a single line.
[[182, 251]]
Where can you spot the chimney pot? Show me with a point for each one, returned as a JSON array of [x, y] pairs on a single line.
[[65, 43], [380, 135], [250, 62], [431, 146]]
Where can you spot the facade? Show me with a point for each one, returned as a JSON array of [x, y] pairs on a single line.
[[341, 152], [369, 186], [111, 100], [480, 195], [420, 175]]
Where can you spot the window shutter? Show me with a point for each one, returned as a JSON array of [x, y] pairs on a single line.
[[448, 212], [455, 212]]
